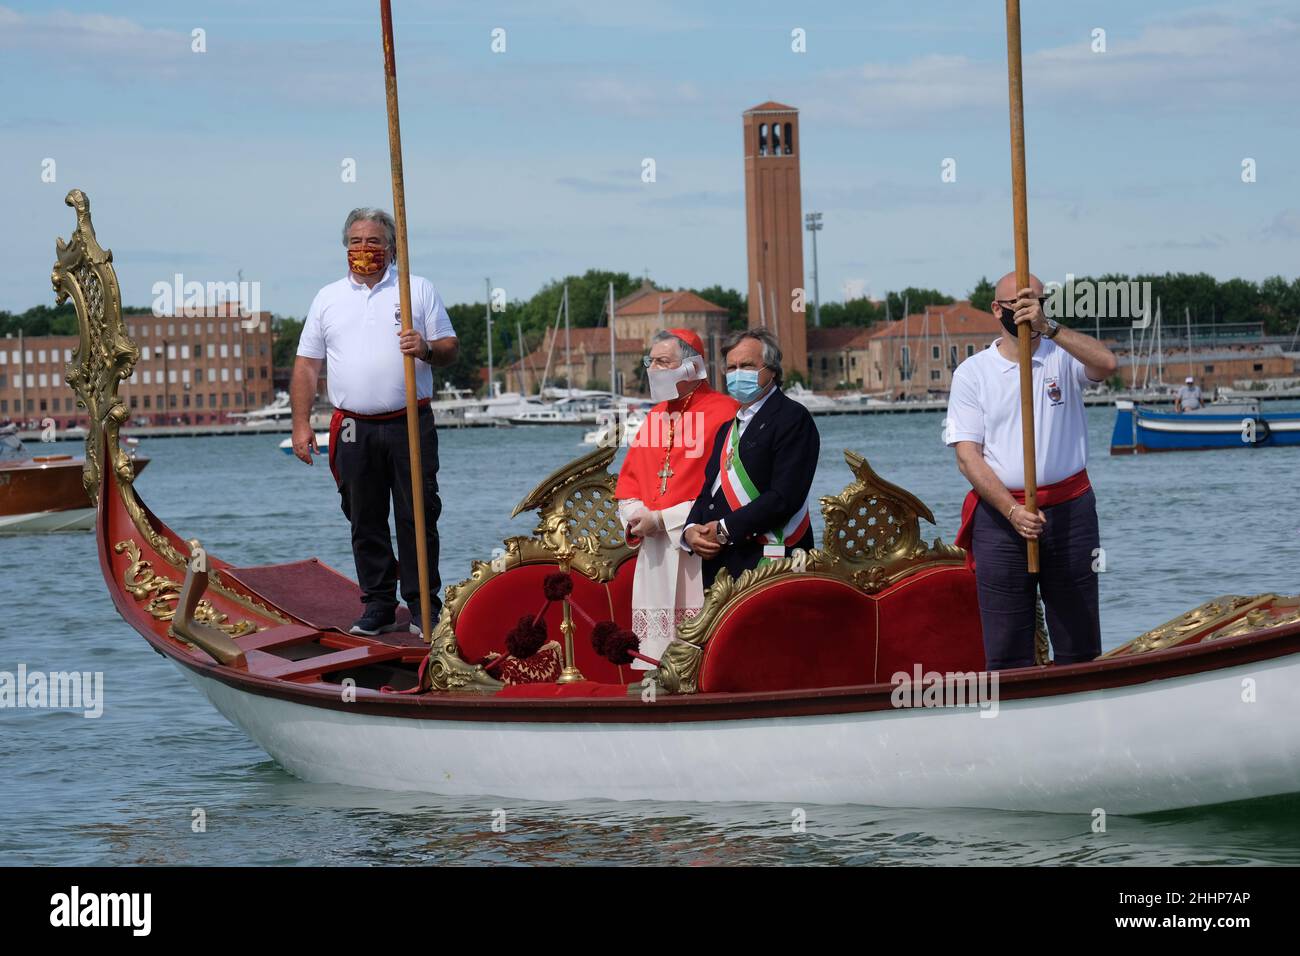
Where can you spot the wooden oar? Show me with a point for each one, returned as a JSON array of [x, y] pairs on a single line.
[[404, 292], [1021, 214]]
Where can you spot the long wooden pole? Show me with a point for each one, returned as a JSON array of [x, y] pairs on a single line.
[[404, 292], [1021, 212]]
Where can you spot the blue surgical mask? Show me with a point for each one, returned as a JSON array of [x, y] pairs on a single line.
[[742, 385]]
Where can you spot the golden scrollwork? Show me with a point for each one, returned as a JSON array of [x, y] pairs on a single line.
[[160, 594], [105, 357], [1279, 613], [576, 504], [873, 528], [446, 670], [1199, 621]]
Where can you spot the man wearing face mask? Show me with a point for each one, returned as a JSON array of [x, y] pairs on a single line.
[[984, 426], [662, 474], [753, 507], [354, 324]]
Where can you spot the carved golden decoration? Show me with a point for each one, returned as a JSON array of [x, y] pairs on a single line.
[[104, 358], [1199, 620], [576, 504], [162, 595], [446, 669], [1281, 612], [873, 526]]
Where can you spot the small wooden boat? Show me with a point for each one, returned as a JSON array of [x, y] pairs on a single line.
[[785, 687], [1225, 425], [43, 493]]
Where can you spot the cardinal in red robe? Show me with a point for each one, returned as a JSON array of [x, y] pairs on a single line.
[[660, 480]]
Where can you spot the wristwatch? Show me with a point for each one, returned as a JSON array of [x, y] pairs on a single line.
[[1053, 327], [428, 352], [723, 537]]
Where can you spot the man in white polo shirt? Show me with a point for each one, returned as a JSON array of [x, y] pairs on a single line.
[[983, 425], [354, 325]]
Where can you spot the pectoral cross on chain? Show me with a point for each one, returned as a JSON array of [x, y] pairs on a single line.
[[664, 474]]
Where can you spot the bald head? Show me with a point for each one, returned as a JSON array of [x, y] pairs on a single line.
[[1006, 289]]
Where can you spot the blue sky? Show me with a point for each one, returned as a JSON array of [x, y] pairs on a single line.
[[525, 165]]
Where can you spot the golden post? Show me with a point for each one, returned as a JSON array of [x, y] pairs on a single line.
[[1021, 214], [404, 290]]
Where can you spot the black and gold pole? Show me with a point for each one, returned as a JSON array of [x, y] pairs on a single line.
[[404, 291]]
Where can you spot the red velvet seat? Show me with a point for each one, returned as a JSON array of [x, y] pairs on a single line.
[[805, 631], [496, 606]]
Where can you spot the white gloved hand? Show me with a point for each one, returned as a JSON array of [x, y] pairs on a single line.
[[646, 523]]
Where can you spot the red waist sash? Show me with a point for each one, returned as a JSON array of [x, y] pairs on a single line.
[[1058, 492], [336, 423]]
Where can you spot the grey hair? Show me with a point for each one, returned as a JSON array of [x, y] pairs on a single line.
[[371, 214], [771, 350], [687, 350]]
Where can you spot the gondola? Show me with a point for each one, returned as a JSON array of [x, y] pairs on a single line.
[[785, 687]]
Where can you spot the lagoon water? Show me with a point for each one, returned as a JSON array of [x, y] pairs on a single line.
[[124, 789]]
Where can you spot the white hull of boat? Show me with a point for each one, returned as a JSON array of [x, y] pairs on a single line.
[[1181, 742], [47, 522]]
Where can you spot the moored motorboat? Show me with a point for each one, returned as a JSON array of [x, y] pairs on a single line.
[[785, 687], [44, 493], [1236, 424]]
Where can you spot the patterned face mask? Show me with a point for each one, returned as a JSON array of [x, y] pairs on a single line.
[[366, 261]]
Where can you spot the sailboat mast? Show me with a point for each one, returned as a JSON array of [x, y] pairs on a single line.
[[613, 370], [568, 350], [487, 314]]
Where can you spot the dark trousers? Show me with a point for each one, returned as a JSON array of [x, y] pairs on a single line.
[[372, 468], [1007, 598]]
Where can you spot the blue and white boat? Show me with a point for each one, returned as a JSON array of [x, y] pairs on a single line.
[[1217, 425]]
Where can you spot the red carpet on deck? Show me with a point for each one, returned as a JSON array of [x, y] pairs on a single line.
[[316, 594]]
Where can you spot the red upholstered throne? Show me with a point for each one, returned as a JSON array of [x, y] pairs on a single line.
[[873, 601], [578, 523]]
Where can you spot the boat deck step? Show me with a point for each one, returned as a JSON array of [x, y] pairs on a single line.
[[315, 667]]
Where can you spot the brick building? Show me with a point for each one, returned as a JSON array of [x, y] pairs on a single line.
[[588, 364], [918, 353], [193, 368], [647, 310], [837, 358]]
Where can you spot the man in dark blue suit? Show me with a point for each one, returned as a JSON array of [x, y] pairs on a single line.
[[754, 503]]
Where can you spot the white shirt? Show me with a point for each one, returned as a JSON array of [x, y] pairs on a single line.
[[984, 407], [354, 328]]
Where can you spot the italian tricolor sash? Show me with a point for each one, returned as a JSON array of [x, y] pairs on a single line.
[[739, 490]]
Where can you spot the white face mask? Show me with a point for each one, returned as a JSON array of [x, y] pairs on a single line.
[[663, 381]]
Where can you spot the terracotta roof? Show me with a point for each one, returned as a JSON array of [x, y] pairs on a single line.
[[772, 106], [834, 339], [585, 340], [674, 302], [960, 318]]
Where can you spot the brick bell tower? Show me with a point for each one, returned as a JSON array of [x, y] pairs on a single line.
[[774, 228]]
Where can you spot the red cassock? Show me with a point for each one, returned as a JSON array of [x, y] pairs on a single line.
[[684, 430]]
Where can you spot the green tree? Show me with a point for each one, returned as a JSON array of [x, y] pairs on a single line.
[[981, 297]]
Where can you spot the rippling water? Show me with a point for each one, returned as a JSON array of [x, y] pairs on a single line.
[[1177, 529]]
